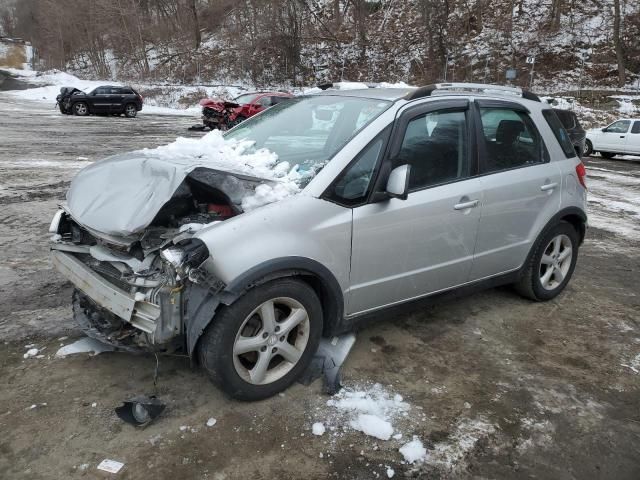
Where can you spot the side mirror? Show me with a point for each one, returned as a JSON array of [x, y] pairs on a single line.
[[604, 129], [398, 183]]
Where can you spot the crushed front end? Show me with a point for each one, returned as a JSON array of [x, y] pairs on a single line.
[[129, 292]]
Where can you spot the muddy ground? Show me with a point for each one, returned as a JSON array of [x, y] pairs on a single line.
[[499, 387]]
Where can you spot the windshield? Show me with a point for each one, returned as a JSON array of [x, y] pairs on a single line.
[[246, 98], [308, 131]]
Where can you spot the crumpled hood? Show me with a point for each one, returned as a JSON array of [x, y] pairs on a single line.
[[122, 194]]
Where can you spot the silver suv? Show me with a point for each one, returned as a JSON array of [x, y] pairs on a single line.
[[307, 218]]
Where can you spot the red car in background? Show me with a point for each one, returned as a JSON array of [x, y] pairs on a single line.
[[223, 115]]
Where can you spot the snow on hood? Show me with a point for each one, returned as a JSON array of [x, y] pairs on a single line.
[[122, 194]]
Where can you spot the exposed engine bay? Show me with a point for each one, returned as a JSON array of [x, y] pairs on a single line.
[[142, 278]]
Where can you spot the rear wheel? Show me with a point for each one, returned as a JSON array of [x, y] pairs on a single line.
[[552, 263], [263, 342], [130, 110], [607, 154], [588, 148], [81, 109]]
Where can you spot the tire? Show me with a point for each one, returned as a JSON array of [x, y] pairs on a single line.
[[607, 155], [588, 148], [130, 110], [551, 244], [81, 109], [256, 368]]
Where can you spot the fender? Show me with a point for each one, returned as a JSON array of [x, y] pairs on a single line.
[[201, 304], [581, 228], [325, 285]]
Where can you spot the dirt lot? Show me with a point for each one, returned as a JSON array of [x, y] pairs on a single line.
[[496, 386]]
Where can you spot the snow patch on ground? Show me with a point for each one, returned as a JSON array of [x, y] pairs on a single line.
[[450, 453], [414, 451]]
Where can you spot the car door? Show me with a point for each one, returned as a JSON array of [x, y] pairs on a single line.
[[116, 98], [521, 186], [404, 249], [614, 137], [100, 100], [633, 139]]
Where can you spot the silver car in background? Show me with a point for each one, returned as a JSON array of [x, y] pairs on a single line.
[[404, 194]]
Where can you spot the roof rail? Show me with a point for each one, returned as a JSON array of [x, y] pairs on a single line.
[[427, 90]]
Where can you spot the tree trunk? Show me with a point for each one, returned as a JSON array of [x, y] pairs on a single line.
[[196, 23], [618, 43]]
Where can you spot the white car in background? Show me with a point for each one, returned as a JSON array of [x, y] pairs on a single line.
[[622, 137]]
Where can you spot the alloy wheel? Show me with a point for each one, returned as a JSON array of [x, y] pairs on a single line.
[[271, 340], [555, 262], [81, 108]]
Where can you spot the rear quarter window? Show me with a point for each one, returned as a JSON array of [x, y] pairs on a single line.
[[559, 132]]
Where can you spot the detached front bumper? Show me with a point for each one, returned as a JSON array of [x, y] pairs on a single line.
[[141, 314]]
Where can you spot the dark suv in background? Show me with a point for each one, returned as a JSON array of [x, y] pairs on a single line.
[[106, 100], [577, 134]]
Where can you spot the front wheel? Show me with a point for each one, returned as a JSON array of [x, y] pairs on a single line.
[[130, 110], [81, 109], [259, 345], [588, 148], [552, 263]]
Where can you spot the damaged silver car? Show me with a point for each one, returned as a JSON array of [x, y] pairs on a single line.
[[244, 251]]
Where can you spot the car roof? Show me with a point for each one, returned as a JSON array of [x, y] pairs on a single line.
[[373, 93], [396, 94]]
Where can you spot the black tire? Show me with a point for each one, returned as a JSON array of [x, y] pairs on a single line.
[[81, 109], [130, 110], [215, 348], [607, 154], [588, 148], [530, 285]]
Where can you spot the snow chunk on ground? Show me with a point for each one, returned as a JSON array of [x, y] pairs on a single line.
[[414, 451], [371, 410], [211, 422], [373, 426], [390, 472], [32, 352], [318, 429]]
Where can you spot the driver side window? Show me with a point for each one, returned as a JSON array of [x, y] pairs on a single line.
[[621, 126]]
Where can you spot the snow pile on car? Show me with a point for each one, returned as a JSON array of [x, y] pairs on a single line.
[[138, 184]]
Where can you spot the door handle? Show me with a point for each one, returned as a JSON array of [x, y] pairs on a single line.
[[465, 205], [621, 136], [548, 186]]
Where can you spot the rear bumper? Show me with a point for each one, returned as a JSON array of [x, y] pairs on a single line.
[[142, 315]]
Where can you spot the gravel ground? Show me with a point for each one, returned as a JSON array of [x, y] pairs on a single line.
[[496, 386]]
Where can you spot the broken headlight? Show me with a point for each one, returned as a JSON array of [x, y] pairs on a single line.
[[186, 256]]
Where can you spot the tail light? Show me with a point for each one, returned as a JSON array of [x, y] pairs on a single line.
[[581, 172]]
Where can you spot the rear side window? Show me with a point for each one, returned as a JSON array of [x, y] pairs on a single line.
[[636, 127], [511, 139], [568, 119], [560, 133], [126, 91], [435, 145]]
